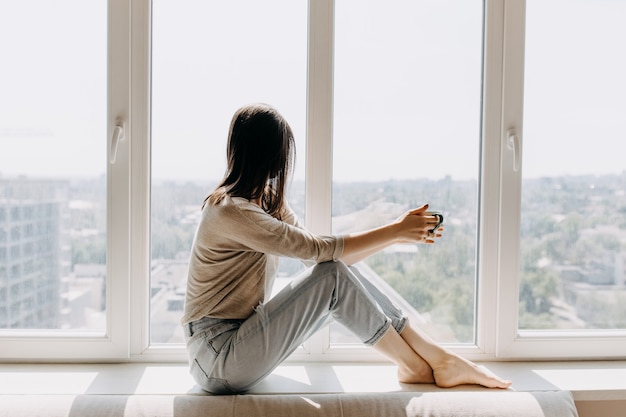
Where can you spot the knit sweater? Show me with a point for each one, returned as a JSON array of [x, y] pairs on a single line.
[[234, 257]]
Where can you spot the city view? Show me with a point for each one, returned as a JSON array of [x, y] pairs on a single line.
[[409, 86], [53, 252]]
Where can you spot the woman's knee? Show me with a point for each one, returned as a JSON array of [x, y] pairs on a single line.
[[332, 268]]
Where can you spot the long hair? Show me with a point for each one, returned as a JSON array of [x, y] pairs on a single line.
[[260, 155]]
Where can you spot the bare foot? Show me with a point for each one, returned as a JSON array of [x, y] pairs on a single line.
[[458, 371], [422, 376]]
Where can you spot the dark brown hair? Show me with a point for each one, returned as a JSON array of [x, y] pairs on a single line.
[[260, 155]]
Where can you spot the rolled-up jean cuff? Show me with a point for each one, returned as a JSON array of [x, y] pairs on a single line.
[[379, 334], [401, 324]]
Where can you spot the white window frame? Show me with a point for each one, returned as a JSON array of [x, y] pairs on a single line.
[[511, 342], [128, 274], [17, 345]]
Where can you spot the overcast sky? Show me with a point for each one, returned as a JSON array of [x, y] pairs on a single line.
[[407, 85]]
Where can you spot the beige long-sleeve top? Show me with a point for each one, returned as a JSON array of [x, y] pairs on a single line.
[[234, 257]]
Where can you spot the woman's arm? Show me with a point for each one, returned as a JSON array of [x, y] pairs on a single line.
[[413, 226]]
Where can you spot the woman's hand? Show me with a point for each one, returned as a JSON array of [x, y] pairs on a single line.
[[412, 227], [415, 226]]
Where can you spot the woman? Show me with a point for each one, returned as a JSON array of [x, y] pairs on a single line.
[[236, 335]]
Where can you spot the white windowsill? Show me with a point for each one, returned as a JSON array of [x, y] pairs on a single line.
[[588, 381]]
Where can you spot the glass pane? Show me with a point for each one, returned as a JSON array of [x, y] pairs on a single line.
[[210, 58], [407, 132], [573, 239], [53, 164]]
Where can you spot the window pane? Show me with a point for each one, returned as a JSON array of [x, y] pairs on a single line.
[[210, 58], [53, 164], [407, 116], [573, 238]]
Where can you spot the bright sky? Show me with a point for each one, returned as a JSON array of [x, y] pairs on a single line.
[[407, 85]]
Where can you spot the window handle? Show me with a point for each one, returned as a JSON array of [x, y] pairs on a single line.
[[513, 143], [119, 135]]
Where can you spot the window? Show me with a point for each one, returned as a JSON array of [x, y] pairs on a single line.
[[572, 229], [481, 109], [403, 99], [52, 136], [572, 225], [215, 57], [53, 181]]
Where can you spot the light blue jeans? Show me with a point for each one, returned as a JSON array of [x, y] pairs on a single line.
[[231, 356]]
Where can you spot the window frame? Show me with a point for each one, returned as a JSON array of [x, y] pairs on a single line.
[[114, 341], [128, 267], [512, 343]]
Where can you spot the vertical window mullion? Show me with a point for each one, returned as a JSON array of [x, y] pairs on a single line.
[[490, 175], [510, 173], [319, 129], [117, 300], [140, 176], [319, 116]]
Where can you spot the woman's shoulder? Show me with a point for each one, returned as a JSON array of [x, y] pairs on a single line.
[[233, 207], [243, 206], [240, 211]]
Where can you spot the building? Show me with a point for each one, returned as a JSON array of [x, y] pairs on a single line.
[[31, 252]]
